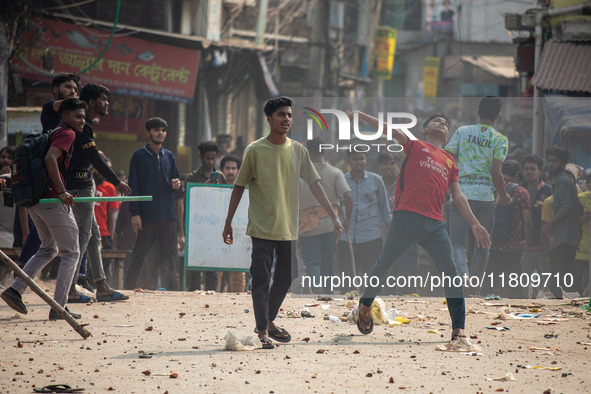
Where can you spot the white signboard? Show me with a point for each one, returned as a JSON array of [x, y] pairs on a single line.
[[207, 207]]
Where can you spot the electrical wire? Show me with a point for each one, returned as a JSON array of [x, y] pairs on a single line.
[[63, 7], [107, 45]]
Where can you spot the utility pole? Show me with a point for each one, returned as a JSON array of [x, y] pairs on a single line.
[[4, 58], [261, 23], [317, 55]]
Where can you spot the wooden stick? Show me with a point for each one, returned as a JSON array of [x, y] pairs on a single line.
[[97, 199], [79, 328]]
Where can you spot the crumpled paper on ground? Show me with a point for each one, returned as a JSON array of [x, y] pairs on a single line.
[[246, 343], [505, 378], [459, 345]]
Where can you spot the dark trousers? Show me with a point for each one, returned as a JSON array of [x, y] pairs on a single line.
[[267, 301], [408, 228], [165, 234], [505, 263], [561, 262]]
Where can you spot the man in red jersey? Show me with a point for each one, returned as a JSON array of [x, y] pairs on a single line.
[[425, 175]]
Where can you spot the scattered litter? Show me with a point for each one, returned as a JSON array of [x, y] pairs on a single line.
[[351, 295], [325, 306], [550, 336], [324, 298], [586, 343], [499, 328], [459, 345], [536, 310], [546, 323], [515, 315], [474, 354], [433, 331], [505, 378], [310, 305], [378, 312], [543, 348], [125, 325], [246, 343], [333, 318], [305, 312], [351, 304], [492, 297], [555, 319], [539, 367]]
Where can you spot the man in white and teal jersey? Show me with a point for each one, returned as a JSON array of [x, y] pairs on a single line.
[[479, 151]]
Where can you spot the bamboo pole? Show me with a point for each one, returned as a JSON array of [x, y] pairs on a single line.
[[97, 199], [79, 328]]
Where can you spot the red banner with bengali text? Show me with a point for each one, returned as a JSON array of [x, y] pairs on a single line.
[[131, 66]]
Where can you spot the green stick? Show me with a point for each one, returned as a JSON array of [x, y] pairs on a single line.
[[97, 199]]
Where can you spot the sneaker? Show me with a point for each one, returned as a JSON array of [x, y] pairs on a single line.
[[14, 300], [53, 315]]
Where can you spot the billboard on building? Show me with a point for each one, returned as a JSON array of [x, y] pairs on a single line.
[[440, 15], [131, 66]]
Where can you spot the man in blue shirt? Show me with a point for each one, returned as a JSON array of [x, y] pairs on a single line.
[[153, 172], [370, 212]]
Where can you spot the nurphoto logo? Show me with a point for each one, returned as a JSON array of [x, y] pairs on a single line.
[[344, 129]]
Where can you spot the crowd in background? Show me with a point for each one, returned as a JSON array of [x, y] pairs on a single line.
[[364, 199]]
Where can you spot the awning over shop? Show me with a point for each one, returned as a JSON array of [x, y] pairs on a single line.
[[501, 66], [564, 114], [131, 66], [564, 66]]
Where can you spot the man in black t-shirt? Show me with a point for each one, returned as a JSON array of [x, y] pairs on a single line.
[[79, 181], [63, 86]]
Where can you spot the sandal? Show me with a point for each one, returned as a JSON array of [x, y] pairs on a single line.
[[457, 336], [366, 323], [278, 334], [58, 388], [266, 343]]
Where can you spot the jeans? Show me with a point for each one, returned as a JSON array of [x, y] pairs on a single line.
[[267, 301], [84, 214], [165, 234], [94, 252], [318, 253], [57, 229], [459, 230], [406, 229]]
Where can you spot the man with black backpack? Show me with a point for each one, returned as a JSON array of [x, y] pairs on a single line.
[[511, 234], [55, 222]]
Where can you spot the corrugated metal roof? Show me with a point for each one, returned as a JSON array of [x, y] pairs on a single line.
[[564, 66], [501, 66]]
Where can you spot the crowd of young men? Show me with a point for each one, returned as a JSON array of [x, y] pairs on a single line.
[[295, 195]]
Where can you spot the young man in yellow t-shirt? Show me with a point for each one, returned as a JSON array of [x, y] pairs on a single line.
[[272, 167]]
